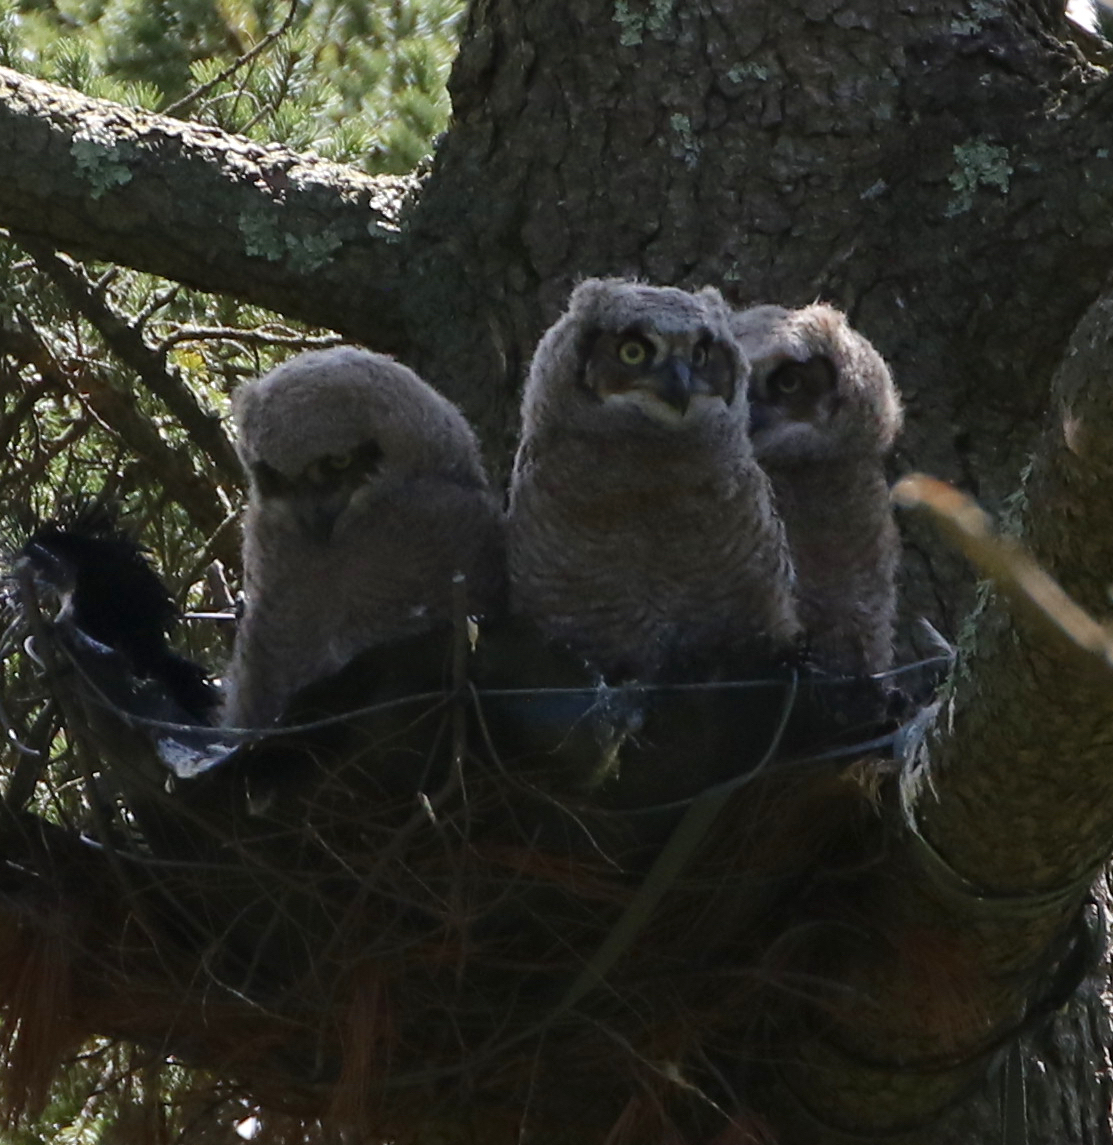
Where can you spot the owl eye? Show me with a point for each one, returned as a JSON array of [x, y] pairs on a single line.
[[785, 381], [699, 355], [816, 378], [632, 352], [318, 472]]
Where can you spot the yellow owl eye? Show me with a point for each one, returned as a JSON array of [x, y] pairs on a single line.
[[338, 461], [632, 352]]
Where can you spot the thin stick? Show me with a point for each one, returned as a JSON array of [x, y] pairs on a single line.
[[1013, 570], [257, 49]]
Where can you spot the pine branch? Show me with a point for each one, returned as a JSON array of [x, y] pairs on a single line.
[[117, 412], [126, 342], [256, 50]]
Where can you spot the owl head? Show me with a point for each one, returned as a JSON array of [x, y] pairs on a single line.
[[331, 430], [636, 359], [818, 390]]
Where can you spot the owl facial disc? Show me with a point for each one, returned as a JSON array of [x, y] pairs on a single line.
[[661, 374]]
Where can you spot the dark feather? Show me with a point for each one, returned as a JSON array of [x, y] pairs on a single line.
[[110, 592]]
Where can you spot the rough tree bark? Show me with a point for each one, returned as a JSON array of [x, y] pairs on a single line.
[[939, 169]]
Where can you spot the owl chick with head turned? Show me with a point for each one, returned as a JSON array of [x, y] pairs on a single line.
[[641, 530], [824, 412], [367, 495]]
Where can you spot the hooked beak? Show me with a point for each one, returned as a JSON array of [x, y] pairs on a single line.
[[672, 383], [318, 514]]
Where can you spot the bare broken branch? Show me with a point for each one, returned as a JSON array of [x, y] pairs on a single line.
[[1014, 572]]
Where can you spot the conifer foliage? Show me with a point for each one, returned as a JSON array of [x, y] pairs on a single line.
[[114, 384]]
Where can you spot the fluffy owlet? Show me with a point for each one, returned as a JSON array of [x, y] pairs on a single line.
[[641, 529], [367, 494], [824, 412]]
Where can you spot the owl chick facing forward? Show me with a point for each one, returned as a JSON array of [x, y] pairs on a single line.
[[824, 413], [367, 494], [641, 530]]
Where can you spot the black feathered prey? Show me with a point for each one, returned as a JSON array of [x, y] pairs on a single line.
[[111, 593]]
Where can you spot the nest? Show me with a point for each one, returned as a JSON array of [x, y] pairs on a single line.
[[461, 878]]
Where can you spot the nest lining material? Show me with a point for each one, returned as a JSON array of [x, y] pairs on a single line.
[[461, 891]]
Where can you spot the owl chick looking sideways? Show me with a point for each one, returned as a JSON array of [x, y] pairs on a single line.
[[824, 412], [641, 530], [367, 494]]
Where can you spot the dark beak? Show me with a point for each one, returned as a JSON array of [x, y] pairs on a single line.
[[673, 383], [318, 514]]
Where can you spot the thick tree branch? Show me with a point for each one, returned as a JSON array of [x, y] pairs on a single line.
[[290, 232], [1013, 805], [1037, 811], [954, 146]]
